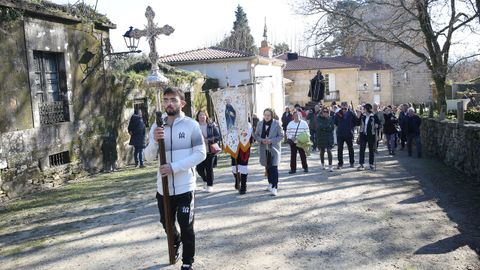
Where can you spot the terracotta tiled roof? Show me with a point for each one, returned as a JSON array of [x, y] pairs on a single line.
[[212, 53], [309, 63], [363, 62]]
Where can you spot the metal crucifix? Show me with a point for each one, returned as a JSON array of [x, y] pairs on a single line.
[[152, 32]]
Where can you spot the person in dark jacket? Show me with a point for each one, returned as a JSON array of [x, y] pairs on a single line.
[[401, 119], [211, 135], [324, 138], [369, 123], [412, 128], [286, 118], [312, 125], [136, 129], [390, 129], [345, 120]]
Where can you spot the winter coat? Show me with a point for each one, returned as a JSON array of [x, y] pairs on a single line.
[[213, 135], [286, 118], [412, 125], [345, 123], [325, 129], [371, 130], [390, 124], [402, 117], [276, 136], [136, 128]]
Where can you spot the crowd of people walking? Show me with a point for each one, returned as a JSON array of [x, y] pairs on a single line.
[[304, 131], [194, 142]]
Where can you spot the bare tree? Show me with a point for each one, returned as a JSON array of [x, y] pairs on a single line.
[[425, 28]]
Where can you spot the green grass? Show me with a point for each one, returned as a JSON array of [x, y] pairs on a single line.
[[42, 219], [27, 223]]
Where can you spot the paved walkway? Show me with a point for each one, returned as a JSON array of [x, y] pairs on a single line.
[[409, 214]]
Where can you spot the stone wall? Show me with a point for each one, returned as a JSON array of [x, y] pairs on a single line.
[[457, 145], [26, 145]]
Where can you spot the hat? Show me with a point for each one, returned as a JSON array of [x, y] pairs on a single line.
[[367, 106]]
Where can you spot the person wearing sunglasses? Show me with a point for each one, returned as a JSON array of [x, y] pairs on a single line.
[[345, 120]]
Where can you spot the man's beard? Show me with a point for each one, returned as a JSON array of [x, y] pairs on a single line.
[[173, 112]]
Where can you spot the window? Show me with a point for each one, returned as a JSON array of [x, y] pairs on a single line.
[[49, 87], [376, 81], [59, 159], [406, 77], [327, 82]]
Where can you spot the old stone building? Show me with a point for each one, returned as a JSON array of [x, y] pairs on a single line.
[[410, 82], [63, 111], [50, 111], [411, 78], [351, 79]]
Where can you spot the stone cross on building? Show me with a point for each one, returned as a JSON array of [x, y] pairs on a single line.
[[151, 32]]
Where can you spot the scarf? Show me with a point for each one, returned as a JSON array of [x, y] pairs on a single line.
[[266, 128]]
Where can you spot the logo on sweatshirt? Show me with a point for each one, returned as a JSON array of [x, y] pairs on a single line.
[[181, 135]]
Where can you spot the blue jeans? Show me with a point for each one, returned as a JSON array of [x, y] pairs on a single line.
[[391, 138], [138, 155], [418, 144]]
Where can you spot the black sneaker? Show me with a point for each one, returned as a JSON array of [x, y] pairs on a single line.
[[352, 165], [186, 267], [292, 172], [339, 167], [305, 170]]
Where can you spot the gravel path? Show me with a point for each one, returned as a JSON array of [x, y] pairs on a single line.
[[408, 214]]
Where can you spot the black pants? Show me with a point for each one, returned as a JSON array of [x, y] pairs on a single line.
[[205, 169], [293, 157], [313, 138], [351, 154], [322, 155], [418, 144], [403, 138], [272, 173], [182, 209], [364, 140]]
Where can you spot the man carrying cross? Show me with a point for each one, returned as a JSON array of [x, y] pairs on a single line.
[[184, 149]]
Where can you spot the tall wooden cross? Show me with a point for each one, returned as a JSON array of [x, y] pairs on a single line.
[[156, 79], [152, 32]]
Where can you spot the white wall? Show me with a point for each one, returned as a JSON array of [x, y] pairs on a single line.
[[238, 72], [269, 92]]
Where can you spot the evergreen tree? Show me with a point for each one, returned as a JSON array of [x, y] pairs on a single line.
[[240, 37], [280, 48]]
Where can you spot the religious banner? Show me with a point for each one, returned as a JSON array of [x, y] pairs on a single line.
[[231, 107]]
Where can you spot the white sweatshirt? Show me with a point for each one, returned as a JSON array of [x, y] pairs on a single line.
[[185, 148]]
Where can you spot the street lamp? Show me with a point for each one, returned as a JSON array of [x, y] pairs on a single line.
[[130, 40]]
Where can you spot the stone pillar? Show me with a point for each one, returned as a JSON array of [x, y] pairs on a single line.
[[460, 113]]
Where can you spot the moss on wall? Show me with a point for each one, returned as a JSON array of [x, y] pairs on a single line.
[[15, 104]]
